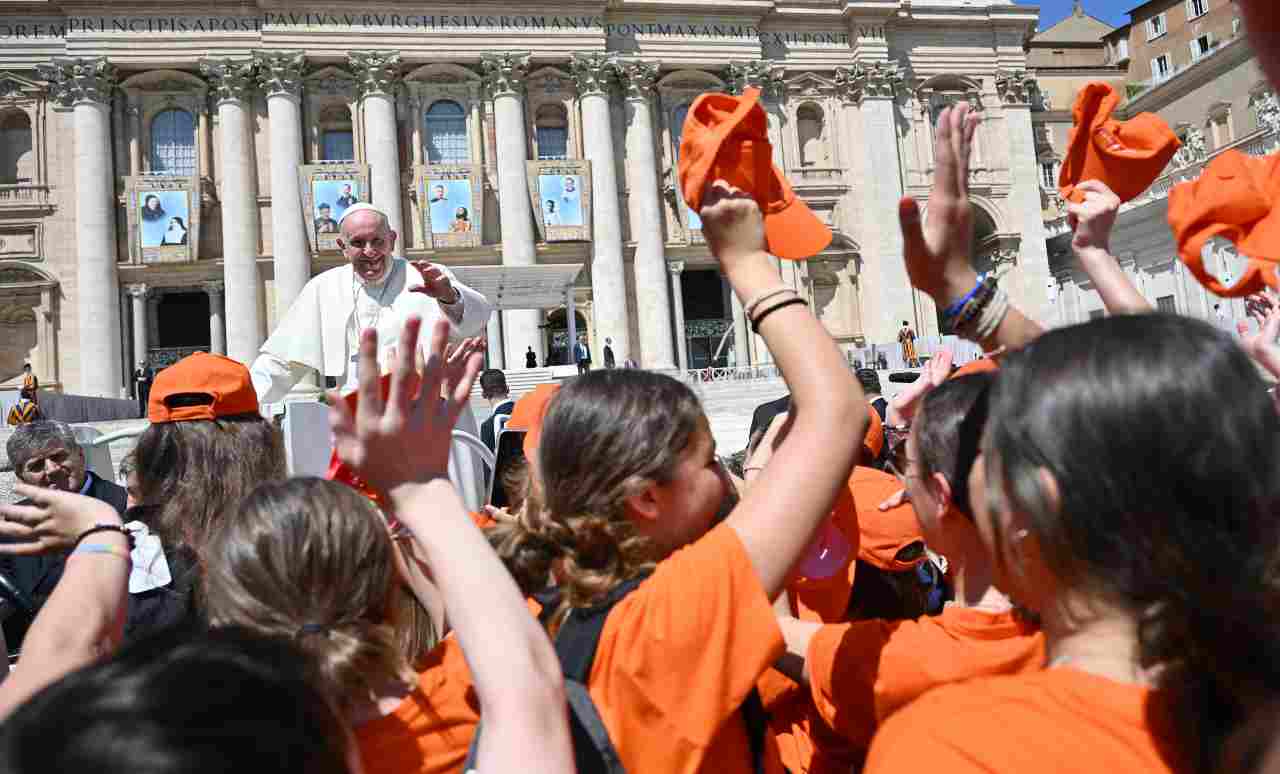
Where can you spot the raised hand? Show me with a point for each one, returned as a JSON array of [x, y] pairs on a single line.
[[902, 409], [1093, 219], [406, 438], [1262, 346], [732, 223], [937, 254], [435, 283], [51, 522]]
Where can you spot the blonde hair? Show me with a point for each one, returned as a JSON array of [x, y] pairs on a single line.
[[313, 560]]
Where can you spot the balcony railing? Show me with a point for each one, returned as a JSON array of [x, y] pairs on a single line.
[[24, 194]]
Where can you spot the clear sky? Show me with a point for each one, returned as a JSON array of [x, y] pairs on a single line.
[[1113, 12]]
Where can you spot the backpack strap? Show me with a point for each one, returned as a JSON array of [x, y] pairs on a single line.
[[579, 635]]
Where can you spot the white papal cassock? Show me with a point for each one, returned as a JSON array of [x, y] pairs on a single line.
[[321, 329]]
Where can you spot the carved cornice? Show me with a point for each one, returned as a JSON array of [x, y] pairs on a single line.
[[505, 71], [232, 79], [280, 72], [675, 267], [1016, 87], [76, 80], [638, 78], [1004, 256], [764, 74], [869, 80], [377, 72], [594, 74]]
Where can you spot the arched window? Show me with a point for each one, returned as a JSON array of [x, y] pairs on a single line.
[[447, 133], [551, 132], [809, 134], [677, 128], [17, 164], [173, 142]]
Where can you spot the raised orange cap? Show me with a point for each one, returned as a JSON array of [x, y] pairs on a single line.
[[726, 137], [527, 415], [225, 382], [1237, 197], [1126, 155]]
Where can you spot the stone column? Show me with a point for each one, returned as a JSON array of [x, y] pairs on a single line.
[[233, 82], [594, 75], [653, 300], [504, 76], [870, 92], [570, 318], [138, 293], [217, 330], [377, 73], [1025, 284], [85, 85], [493, 332], [205, 138], [677, 300], [280, 75], [741, 332]]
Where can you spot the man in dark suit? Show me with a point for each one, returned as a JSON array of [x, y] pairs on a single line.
[[46, 454], [582, 355], [493, 386]]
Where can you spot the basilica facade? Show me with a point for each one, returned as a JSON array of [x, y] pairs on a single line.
[[167, 181]]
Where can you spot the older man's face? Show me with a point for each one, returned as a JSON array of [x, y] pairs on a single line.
[[368, 243], [55, 467]]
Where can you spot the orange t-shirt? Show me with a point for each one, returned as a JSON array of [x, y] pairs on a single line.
[[1055, 720], [679, 655], [432, 728], [862, 672]]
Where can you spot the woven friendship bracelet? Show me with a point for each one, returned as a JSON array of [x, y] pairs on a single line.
[[100, 548], [974, 306]]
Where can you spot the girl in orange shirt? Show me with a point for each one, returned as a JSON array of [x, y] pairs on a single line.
[[314, 561], [1144, 545], [632, 488]]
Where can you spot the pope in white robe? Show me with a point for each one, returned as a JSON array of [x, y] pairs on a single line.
[[374, 289]]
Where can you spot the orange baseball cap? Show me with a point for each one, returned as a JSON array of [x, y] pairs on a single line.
[[527, 415], [872, 535], [1235, 198], [1126, 155], [981, 365], [873, 441], [225, 382], [726, 137]]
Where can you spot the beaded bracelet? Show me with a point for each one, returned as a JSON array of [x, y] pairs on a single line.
[[755, 324], [100, 548], [955, 308], [104, 528], [978, 301]]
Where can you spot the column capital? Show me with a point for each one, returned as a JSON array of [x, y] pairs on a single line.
[[675, 267], [638, 78], [505, 71], [214, 287], [594, 74], [280, 72], [232, 79], [765, 74], [1003, 258], [869, 80], [1016, 87], [139, 290], [73, 80], [377, 72]]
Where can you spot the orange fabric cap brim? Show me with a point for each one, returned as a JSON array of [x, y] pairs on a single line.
[[1234, 198], [981, 365], [1126, 155], [527, 415], [726, 137]]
